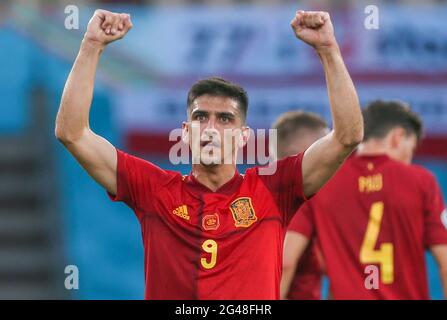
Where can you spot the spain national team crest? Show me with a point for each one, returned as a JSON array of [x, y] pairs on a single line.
[[210, 222], [243, 213]]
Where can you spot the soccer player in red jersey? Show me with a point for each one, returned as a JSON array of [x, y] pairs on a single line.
[[215, 234], [297, 131], [377, 215]]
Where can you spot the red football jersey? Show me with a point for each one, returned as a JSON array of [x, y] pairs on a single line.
[[200, 244], [380, 212]]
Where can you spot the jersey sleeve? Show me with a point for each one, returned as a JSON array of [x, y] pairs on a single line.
[[303, 221], [284, 180], [137, 182], [435, 214]]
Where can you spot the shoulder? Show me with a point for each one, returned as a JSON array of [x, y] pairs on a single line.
[[421, 171], [144, 168], [423, 175], [413, 174]]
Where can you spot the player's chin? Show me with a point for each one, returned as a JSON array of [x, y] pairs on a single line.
[[209, 165], [210, 160]]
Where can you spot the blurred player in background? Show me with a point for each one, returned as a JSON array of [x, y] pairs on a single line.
[[297, 131], [215, 234], [378, 214]]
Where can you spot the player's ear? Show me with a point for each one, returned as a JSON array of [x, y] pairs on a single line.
[[245, 135], [185, 132], [397, 136]]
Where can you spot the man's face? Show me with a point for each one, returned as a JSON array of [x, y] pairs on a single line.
[[299, 141], [215, 129]]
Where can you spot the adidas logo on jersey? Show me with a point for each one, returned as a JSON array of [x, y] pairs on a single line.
[[181, 212]]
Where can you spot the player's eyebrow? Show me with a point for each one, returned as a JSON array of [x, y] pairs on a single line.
[[226, 114], [196, 113]]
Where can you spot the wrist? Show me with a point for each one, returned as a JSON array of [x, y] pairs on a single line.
[[328, 50], [92, 45]]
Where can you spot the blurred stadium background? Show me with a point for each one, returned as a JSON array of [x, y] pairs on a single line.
[[53, 215]]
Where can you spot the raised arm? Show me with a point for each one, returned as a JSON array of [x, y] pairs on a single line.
[[94, 153], [326, 155]]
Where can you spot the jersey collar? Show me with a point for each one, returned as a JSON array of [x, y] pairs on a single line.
[[228, 188]]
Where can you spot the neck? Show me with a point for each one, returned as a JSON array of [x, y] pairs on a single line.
[[372, 148], [213, 177]]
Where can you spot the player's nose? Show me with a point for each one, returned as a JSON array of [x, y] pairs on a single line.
[[210, 132], [211, 124]]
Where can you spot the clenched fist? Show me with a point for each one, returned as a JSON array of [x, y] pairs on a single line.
[[315, 28], [105, 27]]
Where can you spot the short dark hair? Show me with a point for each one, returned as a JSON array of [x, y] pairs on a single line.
[[380, 117], [216, 86], [290, 122]]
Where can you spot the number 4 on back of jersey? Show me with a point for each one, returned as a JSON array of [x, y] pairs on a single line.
[[384, 255]]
